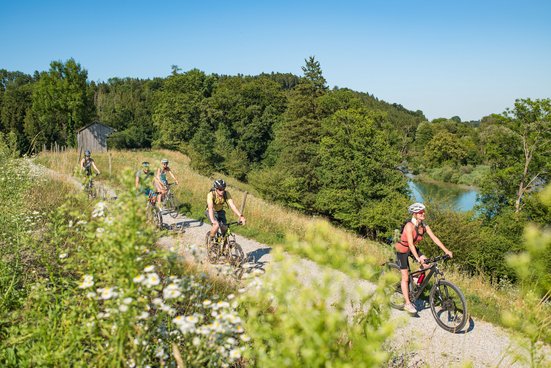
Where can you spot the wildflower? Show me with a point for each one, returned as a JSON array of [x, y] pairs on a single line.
[[206, 303], [138, 279], [231, 296], [245, 338], [149, 269], [235, 354], [127, 300], [157, 301], [100, 230], [143, 315], [152, 279], [107, 293], [99, 210], [231, 341], [171, 291], [63, 255], [91, 295], [196, 341], [87, 281], [70, 223], [123, 308]]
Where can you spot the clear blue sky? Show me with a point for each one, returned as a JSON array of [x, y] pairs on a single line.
[[446, 58]]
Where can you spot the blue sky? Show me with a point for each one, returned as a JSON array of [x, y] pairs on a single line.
[[446, 58]]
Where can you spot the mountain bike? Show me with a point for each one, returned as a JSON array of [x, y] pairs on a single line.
[[169, 202], [447, 302], [89, 188], [152, 212], [224, 249]]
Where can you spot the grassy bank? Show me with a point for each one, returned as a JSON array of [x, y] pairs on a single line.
[[269, 223]]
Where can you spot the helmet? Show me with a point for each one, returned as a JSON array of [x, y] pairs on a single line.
[[87, 153], [416, 208], [219, 184], [145, 164], [164, 161]]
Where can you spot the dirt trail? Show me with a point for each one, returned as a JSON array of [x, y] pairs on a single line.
[[419, 342]]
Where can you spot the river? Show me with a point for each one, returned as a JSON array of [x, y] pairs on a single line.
[[457, 198]]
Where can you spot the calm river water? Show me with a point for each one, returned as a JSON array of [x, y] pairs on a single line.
[[456, 198]]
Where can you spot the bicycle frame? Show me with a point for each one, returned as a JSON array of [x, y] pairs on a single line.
[[415, 289]]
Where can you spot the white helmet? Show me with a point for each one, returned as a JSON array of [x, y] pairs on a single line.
[[416, 208]]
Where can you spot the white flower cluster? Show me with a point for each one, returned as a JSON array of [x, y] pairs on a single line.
[[99, 209]]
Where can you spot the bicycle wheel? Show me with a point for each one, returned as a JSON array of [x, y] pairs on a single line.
[[172, 205], [394, 290], [157, 217], [236, 258], [213, 249], [448, 306]]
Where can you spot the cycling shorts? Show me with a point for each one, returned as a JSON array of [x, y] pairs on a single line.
[[402, 259], [220, 216]]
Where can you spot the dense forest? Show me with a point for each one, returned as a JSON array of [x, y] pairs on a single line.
[[335, 152]]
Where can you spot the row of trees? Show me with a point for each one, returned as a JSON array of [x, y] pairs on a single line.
[[333, 152]]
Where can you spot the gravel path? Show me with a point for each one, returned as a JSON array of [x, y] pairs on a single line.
[[419, 342]]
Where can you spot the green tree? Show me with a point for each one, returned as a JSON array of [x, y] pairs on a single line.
[[360, 185], [444, 148], [518, 147], [62, 102]]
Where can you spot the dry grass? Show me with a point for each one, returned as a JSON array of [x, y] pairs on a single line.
[[269, 222]]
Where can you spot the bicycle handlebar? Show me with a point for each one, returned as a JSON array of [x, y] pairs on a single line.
[[437, 259], [234, 223]]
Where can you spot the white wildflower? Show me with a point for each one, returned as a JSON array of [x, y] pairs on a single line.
[[157, 301], [171, 291], [87, 281], [107, 293], [63, 255], [123, 308], [235, 354], [206, 303], [149, 269], [127, 300], [99, 210], [91, 295], [138, 279], [196, 341], [245, 338], [152, 279], [143, 315]]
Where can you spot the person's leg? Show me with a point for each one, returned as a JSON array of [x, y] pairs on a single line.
[[403, 262], [215, 226]]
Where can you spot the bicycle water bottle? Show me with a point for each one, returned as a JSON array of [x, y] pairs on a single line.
[[421, 278]]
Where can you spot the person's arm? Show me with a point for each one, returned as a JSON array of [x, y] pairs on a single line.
[[137, 182], [438, 242], [236, 211], [82, 164], [210, 205], [173, 177], [95, 167], [409, 236]]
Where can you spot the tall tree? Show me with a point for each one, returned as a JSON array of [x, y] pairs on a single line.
[[62, 102], [518, 146]]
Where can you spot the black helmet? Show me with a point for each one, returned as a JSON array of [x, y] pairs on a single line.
[[87, 153], [219, 184]]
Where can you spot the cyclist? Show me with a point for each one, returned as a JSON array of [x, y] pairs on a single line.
[[87, 163], [216, 199], [412, 234], [161, 181], [145, 180]]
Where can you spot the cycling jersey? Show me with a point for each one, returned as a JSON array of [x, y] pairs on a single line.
[[162, 175], [218, 201], [402, 246], [145, 180], [87, 164]]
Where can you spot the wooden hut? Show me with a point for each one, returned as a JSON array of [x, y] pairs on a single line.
[[93, 137]]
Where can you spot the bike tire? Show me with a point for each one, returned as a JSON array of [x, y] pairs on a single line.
[[213, 249], [394, 291], [237, 258], [172, 206], [448, 306]]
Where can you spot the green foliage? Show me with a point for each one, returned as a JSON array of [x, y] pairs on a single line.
[[102, 295], [359, 183], [295, 322], [532, 268], [61, 103], [444, 148]]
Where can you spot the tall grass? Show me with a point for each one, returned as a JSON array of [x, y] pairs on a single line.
[[271, 223]]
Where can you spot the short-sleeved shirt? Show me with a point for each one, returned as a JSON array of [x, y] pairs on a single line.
[[217, 201], [146, 179]]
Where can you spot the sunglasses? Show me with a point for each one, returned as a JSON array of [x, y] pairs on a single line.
[[422, 212]]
